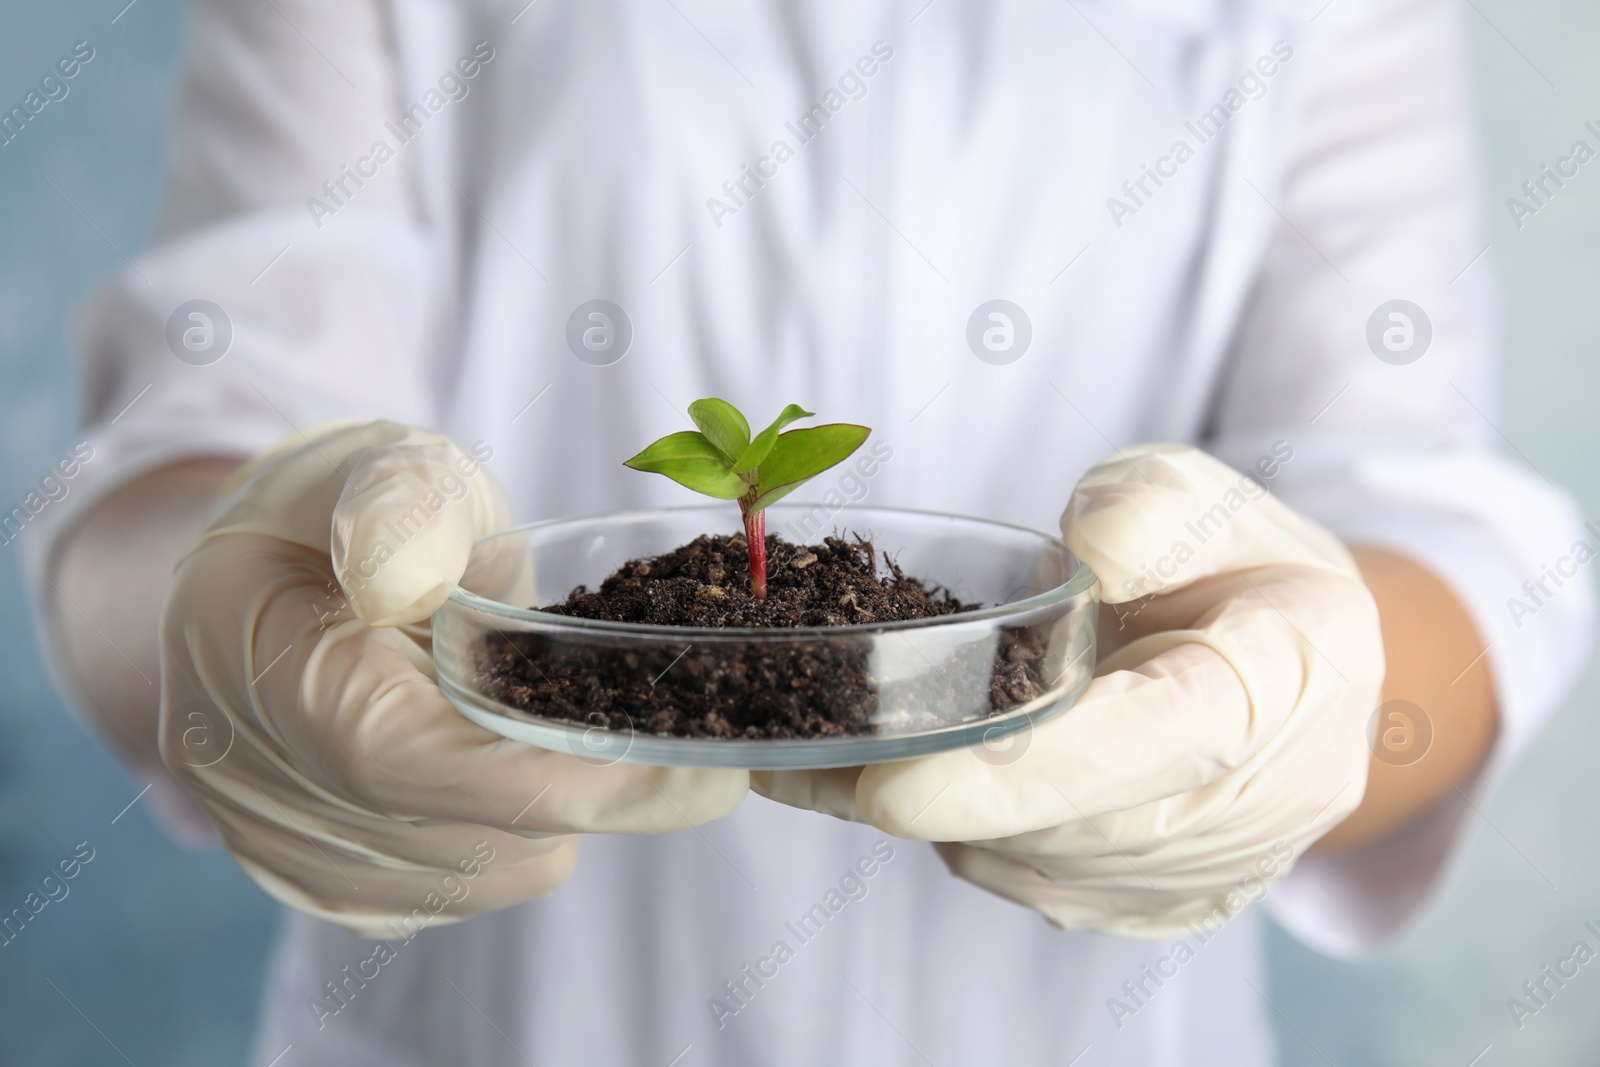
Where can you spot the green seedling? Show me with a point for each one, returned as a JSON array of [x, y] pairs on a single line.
[[722, 460]]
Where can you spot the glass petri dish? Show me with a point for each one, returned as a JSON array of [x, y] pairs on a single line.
[[983, 677]]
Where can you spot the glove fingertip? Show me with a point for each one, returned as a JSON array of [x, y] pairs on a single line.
[[399, 544], [904, 809], [394, 607], [692, 797]]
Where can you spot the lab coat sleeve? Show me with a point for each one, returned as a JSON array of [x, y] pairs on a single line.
[[1378, 198], [324, 314]]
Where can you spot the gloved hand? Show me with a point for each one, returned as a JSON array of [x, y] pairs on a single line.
[[1224, 733], [310, 728]]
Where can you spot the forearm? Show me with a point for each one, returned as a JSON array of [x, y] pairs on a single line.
[[109, 584], [1435, 661]]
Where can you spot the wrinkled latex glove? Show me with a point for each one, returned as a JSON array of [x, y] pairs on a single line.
[[309, 725], [1224, 733]]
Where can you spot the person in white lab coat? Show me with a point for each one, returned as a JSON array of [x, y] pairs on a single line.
[[1202, 215]]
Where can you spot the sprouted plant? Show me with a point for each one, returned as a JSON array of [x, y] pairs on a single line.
[[722, 460]]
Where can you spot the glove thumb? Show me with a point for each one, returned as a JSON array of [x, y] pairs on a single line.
[[1158, 517], [405, 523]]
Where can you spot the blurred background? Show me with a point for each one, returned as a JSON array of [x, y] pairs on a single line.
[[163, 948]]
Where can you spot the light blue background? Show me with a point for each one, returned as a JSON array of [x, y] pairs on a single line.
[[158, 951]]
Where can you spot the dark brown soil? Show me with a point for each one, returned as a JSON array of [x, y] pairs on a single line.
[[800, 689], [707, 583]]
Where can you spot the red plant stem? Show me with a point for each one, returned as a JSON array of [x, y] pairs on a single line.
[[755, 536]]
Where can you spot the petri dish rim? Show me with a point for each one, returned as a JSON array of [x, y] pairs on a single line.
[[1082, 580]]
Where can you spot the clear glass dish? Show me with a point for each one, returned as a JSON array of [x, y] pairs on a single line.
[[981, 677]]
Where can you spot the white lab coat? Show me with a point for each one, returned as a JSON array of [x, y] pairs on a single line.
[[1224, 301]]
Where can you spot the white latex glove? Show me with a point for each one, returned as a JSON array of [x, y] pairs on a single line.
[[311, 730], [1224, 735]]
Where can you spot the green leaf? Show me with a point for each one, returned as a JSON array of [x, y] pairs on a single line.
[[689, 459], [800, 455], [757, 452], [722, 424]]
